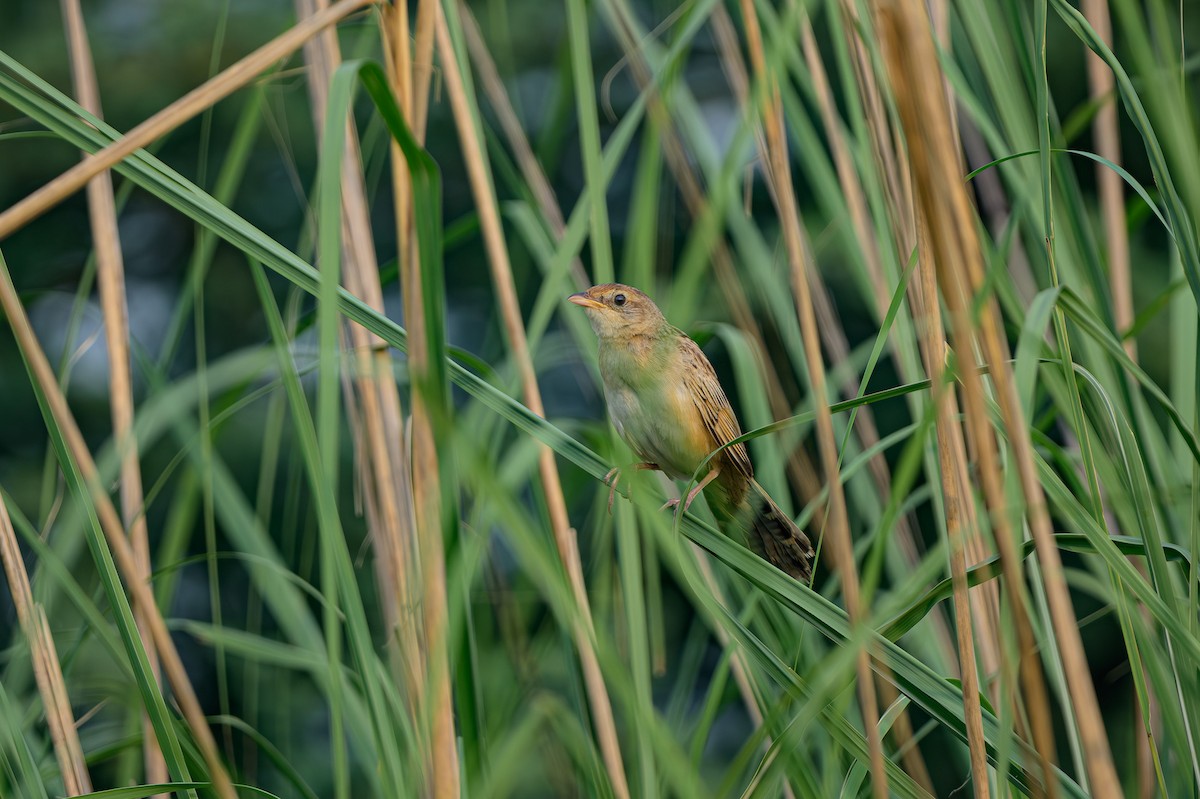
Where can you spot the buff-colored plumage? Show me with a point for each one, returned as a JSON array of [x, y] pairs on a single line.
[[666, 402]]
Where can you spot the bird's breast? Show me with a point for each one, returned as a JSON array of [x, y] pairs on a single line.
[[660, 422]]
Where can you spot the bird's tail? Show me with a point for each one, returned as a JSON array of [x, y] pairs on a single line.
[[773, 535]]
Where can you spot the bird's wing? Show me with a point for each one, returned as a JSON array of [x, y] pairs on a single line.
[[705, 390]]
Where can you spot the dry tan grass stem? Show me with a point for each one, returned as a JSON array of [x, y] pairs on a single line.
[[422, 65], [893, 167], [889, 155], [1107, 141], [856, 201], [397, 51], [110, 267], [502, 279], [439, 706], [171, 117], [383, 461], [985, 599], [928, 147], [837, 523], [833, 336], [952, 458], [46, 668], [410, 78], [911, 56]]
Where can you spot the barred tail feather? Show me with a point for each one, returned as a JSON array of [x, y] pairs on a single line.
[[772, 533], [781, 542]]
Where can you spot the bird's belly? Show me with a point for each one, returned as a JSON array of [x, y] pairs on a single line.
[[663, 428]]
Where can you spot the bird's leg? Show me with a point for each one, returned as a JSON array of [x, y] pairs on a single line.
[[691, 495], [614, 475]]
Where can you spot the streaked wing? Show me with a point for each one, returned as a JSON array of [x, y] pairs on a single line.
[[714, 407]]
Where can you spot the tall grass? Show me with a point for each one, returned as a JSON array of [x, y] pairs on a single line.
[[882, 222]]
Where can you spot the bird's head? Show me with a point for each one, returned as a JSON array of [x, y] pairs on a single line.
[[616, 310]]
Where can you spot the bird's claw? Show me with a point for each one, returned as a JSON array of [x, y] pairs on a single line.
[[691, 496], [610, 480], [614, 475]]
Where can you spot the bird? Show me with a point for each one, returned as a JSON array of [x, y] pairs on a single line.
[[666, 402]]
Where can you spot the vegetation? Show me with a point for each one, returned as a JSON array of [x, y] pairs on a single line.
[[301, 473]]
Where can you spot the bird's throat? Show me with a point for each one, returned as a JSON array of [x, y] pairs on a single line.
[[635, 361]]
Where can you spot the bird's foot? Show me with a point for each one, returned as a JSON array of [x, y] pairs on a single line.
[[687, 502], [614, 475], [691, 495]]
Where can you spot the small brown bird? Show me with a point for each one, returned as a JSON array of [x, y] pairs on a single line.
[[664, 399]]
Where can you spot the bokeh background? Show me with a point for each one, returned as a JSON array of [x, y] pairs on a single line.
[[149, 53]]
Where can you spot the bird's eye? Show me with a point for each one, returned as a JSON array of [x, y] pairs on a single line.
[[619, 300]]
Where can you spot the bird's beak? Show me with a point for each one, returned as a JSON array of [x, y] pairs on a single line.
[[584, 301]]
